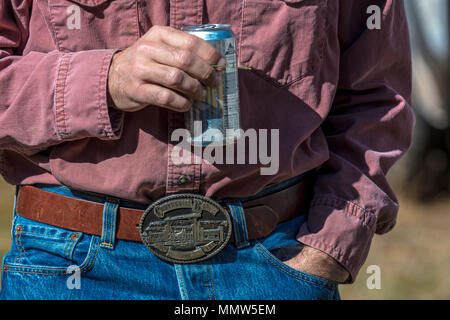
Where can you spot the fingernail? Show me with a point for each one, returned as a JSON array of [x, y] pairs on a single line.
[[222, 62], [221, 65]]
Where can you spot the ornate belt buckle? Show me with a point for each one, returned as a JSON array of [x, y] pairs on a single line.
[[185, 228]]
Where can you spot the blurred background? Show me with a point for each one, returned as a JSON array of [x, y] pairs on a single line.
[[414, 258]]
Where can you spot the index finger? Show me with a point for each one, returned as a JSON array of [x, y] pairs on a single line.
[[182, 40]]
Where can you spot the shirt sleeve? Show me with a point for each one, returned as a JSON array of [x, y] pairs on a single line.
[[368, 129], [49, 98]]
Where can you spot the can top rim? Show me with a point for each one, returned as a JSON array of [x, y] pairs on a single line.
[[206, 27]]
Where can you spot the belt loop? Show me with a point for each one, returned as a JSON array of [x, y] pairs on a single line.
[[109, 223], [239, 224]]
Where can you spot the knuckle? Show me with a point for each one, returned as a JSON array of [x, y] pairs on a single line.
[[143, 48], [190, 42], [196, 87], [164, 97], [175, 77], [184, 59], [133, 89], [138, 70], [156, 29]]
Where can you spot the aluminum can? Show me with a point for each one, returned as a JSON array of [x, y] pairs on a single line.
[[216, 120]]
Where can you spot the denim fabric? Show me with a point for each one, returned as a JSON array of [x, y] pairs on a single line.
[[37, 267]]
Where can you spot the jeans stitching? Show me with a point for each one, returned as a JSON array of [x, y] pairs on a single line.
[[207, 284], [105, 223], [113, 209], [237, 233], [235, 216], [181, 284], [74, 242], [105, 226], [243, 226], [20, 246], [33, 272], [85, 267], [45, 235], [111, 224], [88, 266], [212, 283], [65, 248]]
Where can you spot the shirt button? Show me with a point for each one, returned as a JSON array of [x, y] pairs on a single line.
[[183, 179]]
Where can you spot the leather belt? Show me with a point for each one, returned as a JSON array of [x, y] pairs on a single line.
[[262, 214]]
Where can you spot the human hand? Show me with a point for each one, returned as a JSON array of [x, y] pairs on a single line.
[[312, 261], [166, 67]]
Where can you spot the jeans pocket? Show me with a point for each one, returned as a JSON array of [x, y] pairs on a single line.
[[39, 248], [306, 278]]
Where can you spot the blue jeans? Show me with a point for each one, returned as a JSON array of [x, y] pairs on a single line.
[[47, 262]]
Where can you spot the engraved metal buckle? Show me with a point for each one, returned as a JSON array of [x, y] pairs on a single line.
[[185, 228]]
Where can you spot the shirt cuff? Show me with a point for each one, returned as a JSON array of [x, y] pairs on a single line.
[[340, 228], [80, 107]]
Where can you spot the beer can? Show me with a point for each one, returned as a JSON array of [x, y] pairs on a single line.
[[216, 120]]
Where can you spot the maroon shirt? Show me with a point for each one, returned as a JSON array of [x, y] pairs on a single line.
[[338, 93]]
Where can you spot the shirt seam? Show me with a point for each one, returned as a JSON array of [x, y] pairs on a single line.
[[61, 117], [104, 122], [367, 217]]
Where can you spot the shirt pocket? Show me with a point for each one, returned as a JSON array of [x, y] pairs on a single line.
[[283, 40], [79, 25]]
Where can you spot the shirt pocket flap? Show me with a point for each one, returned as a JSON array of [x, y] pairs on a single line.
[[81, 25], [293, 1]]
